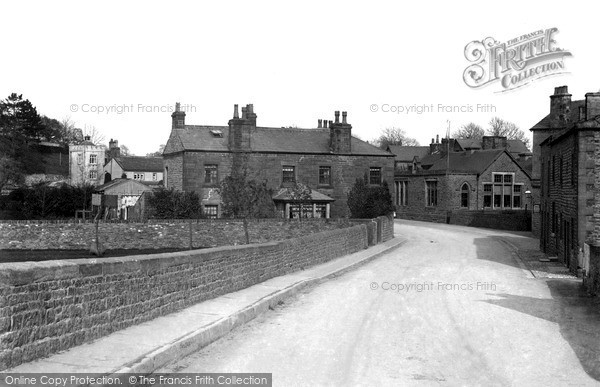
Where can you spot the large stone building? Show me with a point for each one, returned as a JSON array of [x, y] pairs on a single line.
[[567, 162], [563, 112], [85, 163], [451, 180], [326, 158]]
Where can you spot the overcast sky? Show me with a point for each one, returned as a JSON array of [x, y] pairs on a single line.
[[296, 62]]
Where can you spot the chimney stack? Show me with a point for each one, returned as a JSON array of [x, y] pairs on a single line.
[[178, 117], [340, 135], [560, 106], [592, 105], [240, 129]]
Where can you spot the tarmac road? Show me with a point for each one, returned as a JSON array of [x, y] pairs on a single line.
[[452, 306]]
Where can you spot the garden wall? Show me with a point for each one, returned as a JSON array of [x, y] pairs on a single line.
[[50, 306]]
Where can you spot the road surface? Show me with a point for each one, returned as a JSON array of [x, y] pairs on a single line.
[[452, 306]]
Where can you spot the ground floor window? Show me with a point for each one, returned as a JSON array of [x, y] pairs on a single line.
[[402, 193], [502, 192], [464, 196], [309, 210], [431, 193], [211, 211]]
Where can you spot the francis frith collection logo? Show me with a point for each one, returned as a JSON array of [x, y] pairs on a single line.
[[516, 62]]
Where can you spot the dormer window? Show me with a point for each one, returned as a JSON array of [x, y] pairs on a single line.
[[216, 132]]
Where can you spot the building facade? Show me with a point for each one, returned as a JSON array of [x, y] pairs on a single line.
[[449, 180], [327, 159], [85, 163], [148, 170], [568, 162]]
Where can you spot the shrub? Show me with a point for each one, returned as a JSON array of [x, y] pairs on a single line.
[[366, 202], [42, 201], [171, 204]]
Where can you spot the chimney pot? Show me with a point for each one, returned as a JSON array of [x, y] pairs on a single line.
[[325, 123], [432, 140], [177, 106], [330, 124], [437, 138], [320, 123], [561, 90], [235, 111], [337, 116], [344, 116], [244, 111]]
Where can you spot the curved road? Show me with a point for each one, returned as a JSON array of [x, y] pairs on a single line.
[[452, 306]]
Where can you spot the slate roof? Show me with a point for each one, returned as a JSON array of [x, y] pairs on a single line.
[[408, 153], [284, 195], [546, 122], [467, 162], [116, 182], [268, 140], [140, 163], [516, 147], [471, 143]]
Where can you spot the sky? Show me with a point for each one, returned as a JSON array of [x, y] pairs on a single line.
[[121, 66]]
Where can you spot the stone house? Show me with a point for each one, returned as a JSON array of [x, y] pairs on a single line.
[[568, 165], [449, 180], [148, 170], [327, 158], [85, 163]]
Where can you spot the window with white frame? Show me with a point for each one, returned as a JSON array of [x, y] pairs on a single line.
[[93, 159], [288, 174], [138, 176], [503, 192], [211, 211], [374, 175], [211, 175], [154, 176]]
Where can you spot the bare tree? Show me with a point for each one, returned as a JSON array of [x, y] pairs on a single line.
[[125, 151], [96, 136], [158, 153], [500, 127], [394, 136], [470, 130]]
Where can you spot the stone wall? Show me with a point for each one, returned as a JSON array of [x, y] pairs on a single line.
[[50, 306], [518, 220], [500, 220], [155, 234]]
